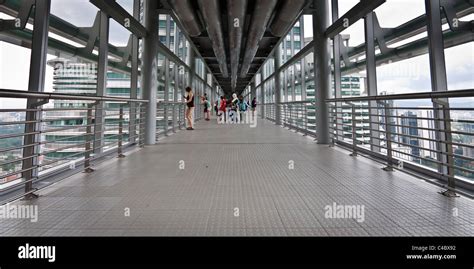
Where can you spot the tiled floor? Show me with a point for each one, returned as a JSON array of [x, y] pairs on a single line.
[[222, 180]]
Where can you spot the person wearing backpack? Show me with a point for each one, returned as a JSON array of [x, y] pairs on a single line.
[[207, 107], [243, 106], [234, 106]]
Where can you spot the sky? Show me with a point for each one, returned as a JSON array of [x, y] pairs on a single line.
[[406, 76]]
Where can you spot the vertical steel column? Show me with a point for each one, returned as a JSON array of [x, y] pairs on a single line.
[[192, 67], [439, 83], [293, 73], [99, 128], [166, 66], [322, 69], [388, 136], [285, 77], [277, 86], [166, 99], [192, 73], [337, 73], [371, 69], [303, 61], [39, 50], [176, 78], [150, 69], [212, 95], [175, 97], [134, 79], [262, 95]]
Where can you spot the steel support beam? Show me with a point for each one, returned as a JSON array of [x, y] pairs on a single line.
[[150, 69], [134, 77], [121, 16], [191, 76], [166, 67], [322, 69], [439, 83], [166, 98], [192, 67], [337, 67], [262, 95], [356, 13], [278, 89], [39, 50], [176, 76], [102, 67], [371, 68]]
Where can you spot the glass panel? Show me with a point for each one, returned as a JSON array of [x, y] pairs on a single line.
[[66, 121], [460, 66], [385, 12]]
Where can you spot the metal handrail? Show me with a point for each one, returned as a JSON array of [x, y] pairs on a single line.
[[407, 96], [343, 132], [6, 93]]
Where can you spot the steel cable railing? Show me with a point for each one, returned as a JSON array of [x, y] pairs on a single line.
[[296, 115], [436, 139], [62, 138]]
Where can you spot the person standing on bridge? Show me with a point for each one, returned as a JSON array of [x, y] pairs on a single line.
[[207, 107], [189, 99], [243, 106], [222, 109], [254, 106], [234, 107]]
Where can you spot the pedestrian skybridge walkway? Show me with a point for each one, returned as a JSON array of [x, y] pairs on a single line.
[[92, 118], [233, 180]]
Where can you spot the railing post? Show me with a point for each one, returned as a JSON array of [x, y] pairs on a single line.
[[175, 121], [302, 105], [354, 131], [306, 119], [120, 137], [448, 146], [388, 137], [157, 113], [290, 116], [165, 118], [180, 116], [89, 135], [141, 126], [332, 120], [315, 132], [31, 163]]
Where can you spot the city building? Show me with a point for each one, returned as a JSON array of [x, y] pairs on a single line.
[[409, 136], [74, 77]]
